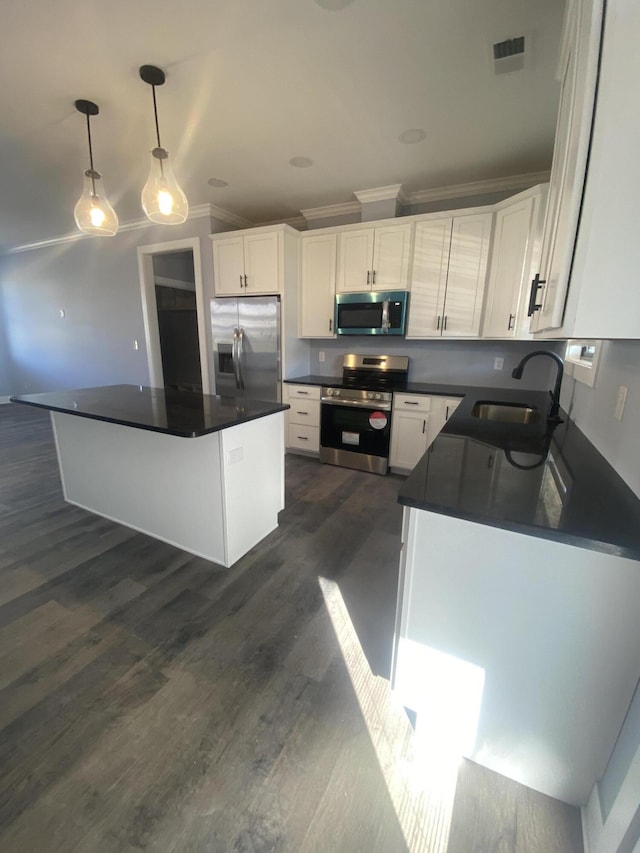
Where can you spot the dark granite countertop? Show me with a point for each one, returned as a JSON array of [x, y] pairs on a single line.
[[544, 479], [180, 413], [408, 388]]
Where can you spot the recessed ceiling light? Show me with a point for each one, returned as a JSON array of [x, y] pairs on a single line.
[[411, 136], [300, 162], [217, 182], [333, 5]]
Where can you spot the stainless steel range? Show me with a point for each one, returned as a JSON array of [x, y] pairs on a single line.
[[355, 419]]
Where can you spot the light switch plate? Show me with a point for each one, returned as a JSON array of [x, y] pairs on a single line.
[[498, 363]]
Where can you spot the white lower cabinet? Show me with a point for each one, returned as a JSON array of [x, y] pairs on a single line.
[[410, 430], [417, 419], [441, 410], [303, 418]]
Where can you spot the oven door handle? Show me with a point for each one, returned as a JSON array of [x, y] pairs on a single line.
[[357, 404]]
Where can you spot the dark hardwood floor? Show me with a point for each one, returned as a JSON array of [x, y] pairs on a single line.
[[151, 700]]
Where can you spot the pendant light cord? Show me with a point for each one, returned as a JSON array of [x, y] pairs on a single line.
[[93, 180], [155, 115]]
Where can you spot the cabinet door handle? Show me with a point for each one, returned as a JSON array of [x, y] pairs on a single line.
[[512, 317], [490, 463], [245, 281], [444, 324], [368, 277], [300, 412], [424, 426], [411, 403], [330, 325], [374, 277], [303, 437], [241, 284], [446, 417], [536, 284], [303, 392], [438, 324]]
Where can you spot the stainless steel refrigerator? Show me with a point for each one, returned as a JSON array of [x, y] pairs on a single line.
[[246, 346]]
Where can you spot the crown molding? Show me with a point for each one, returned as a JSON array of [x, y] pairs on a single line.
[[343, 209], [197, 212], [227, 216], [299, 223], [393, 191], [513, 182]]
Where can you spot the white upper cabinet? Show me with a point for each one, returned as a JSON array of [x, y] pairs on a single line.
[[577, 73], [318, 285], [374, 258], [247, 264], [604, 296], [448, 277], [515, 256]]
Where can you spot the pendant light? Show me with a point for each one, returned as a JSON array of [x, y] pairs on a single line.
[[162, 199], [93, 213]]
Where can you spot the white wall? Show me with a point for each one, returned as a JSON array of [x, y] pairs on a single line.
[[95, 282], [592, 408], [5, 358]]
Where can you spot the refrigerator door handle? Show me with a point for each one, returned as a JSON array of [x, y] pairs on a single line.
[[235, 357], [240, 355]]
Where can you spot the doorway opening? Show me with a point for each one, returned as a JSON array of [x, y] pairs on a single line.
[[173, 308], [175, 288]]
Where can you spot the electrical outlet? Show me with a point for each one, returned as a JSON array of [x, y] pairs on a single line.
[[620, 402], [135, 344], [498, 363], [321, 355]]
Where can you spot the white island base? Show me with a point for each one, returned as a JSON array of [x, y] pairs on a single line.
[[216, 495], [522, 650]]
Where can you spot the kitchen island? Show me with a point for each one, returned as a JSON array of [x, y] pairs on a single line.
[[201, 472], [519, 592]]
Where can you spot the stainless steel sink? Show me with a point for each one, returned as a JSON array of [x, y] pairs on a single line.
[[512, 413]]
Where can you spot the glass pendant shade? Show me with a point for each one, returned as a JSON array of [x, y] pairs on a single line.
[[162, 199], [93, 213]]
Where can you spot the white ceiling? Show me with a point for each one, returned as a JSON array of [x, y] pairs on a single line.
[[254, 83]]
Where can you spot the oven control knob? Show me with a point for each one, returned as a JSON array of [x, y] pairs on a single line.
[[370, 395], [378, 396], [336, 392], [329, 392]]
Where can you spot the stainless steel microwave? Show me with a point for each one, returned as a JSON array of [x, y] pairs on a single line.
[[371, 313]]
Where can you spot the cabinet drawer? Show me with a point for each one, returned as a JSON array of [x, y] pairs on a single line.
[[411, 403], [303, 392], [304, 437], [304, 411]]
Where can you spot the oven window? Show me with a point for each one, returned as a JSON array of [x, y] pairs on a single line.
[[350, 428], [360, 315]]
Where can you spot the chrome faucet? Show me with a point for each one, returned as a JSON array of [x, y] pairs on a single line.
[[554, 408]]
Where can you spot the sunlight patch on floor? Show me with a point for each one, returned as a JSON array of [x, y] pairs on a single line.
[[419, 773]]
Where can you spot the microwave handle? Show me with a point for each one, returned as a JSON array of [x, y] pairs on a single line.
[[385, 316]]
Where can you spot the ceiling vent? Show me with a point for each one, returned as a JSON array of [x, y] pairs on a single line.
[[508, 55]]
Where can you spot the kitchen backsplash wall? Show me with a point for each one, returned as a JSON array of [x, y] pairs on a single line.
[[593, 408], [457, 362]]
